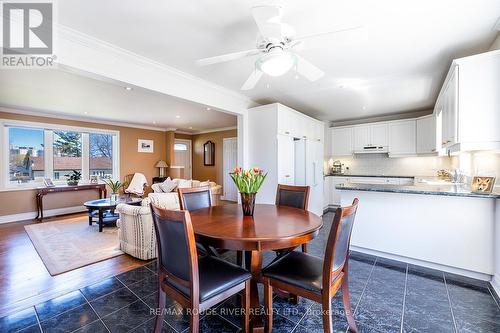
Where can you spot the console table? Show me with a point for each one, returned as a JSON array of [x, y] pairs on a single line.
[[42, 191]]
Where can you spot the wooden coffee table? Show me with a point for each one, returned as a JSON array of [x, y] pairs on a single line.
[[104, 209]]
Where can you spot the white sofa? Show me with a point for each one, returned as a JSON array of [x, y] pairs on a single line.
[[136, 231], [215, 189]]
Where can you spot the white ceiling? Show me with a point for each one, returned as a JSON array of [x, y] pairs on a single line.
[[67, 94], [395, 63]]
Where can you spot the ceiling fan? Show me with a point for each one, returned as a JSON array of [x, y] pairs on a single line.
[[275, 49]]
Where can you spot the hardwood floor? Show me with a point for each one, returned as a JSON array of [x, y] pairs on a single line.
[[24, 280]]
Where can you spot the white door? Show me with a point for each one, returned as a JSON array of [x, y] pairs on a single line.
[[402, 137], [342, 141], [286, 163], [379, 135], [229, 161], [361, 137], [300, 162], [426, 135], [183, 157], [314, 175]]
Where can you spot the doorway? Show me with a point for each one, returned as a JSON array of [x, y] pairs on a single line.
[[183, 156], [229, 161]]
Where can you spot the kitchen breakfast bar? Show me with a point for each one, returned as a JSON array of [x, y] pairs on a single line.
[[444, 227]]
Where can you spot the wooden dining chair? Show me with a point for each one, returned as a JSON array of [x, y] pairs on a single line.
[[293, 196], [195, 198], [197, 283], [313, 278]]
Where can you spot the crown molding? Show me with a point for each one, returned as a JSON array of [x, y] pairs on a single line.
[[220, 129], [58, 115], [147, 65]]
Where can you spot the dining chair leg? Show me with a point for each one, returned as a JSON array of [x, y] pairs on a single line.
[[239, 258], [245, 305], [162, 300], [304, 247], [268, 306], [194, 320], [347, 304], [326, 304]]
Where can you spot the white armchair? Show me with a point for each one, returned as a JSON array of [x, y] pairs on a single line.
[[136, 230]]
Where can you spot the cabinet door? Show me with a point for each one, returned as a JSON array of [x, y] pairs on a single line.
[[342, 141], [286, 160], [361, 137], [378, 135], [450, 110], [402, 137], [285, 122], [426, 135]]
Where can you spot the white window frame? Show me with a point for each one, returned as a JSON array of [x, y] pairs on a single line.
[[6, 185]]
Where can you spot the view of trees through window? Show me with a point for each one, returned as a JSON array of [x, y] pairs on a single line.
[[67, 153], [26, 154], [101, 155]]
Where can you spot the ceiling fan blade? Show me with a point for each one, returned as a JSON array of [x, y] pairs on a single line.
[[268, 20], [227, 57], [320, 34], [252, 80], [308, 70]]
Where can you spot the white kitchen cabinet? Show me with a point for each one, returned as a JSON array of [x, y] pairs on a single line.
[[468, 104], [402, 138], [379, 135], [362, 137], [286, 160], [274, 131], [370, 135], [426, 135], [342, 141]]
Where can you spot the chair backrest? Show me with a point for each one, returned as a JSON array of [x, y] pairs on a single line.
[[337, 247], [195, 198], [177, 256], [292, 196]]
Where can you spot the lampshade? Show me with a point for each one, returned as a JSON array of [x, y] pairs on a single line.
[[161, 164]]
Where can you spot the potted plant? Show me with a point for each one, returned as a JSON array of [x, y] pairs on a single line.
[[115, 188], [73, 178], [248, 183]]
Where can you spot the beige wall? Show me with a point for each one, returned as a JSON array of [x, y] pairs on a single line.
[[14, 202], [214, 173]]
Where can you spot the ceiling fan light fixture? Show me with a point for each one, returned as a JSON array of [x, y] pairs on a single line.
[[276, 63]]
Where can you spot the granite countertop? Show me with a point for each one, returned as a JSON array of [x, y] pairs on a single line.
[[447, 190], [354, 175]]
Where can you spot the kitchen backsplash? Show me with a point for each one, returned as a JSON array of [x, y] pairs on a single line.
[[380, 164]]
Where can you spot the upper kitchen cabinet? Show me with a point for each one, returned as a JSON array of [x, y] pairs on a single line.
[[402, 138], [370, 135], [342, 144], [468, 104], [426, 135]]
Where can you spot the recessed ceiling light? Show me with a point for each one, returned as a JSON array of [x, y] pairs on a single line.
[[128, 88], [177, 116], [85, 112], [268, 85], [154, 122], [208, 109], [296, 77], [364, 107], [190, 127]]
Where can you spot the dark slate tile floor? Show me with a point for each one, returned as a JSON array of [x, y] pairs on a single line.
[[386, 295]]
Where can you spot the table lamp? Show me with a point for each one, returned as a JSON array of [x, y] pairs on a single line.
[[162, 165]]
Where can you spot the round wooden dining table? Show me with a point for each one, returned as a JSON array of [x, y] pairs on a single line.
[[270, 228]]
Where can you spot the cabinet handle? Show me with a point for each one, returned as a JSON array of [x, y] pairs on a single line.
[[433, 150], [287, 132], [287, 176]]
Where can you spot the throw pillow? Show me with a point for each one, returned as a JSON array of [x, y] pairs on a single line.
[[206, 183], [168, 185]]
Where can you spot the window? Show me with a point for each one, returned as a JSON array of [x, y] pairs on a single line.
[[67, 153], [101, 155], [26, 154], [180, 147], [34, 151]]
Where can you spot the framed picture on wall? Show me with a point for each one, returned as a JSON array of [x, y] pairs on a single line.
[[145, 146]]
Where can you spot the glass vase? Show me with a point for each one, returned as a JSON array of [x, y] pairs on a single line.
[[248, 203], [114, 197]]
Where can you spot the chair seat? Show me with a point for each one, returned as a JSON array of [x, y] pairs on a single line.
[[216, 276], [297, 269]]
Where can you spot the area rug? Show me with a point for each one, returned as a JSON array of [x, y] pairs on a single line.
[[72, 243]]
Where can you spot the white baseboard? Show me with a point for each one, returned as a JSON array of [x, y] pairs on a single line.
[[495, 283], [448, 269], [46, 213]]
